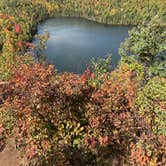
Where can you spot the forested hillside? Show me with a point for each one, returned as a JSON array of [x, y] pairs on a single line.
[[96, 118], [114, 11]]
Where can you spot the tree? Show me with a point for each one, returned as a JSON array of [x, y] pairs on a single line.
[[146, 43]]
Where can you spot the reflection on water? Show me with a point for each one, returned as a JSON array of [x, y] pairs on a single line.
[[73, 42]]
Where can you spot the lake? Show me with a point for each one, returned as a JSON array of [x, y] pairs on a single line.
[[74, 42]]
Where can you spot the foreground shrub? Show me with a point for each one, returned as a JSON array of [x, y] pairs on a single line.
[[49, 109], [63, 119]]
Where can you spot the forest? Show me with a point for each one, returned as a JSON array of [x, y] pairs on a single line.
[[99, 117]]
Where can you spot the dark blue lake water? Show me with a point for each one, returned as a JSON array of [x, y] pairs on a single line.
[[73, 42]]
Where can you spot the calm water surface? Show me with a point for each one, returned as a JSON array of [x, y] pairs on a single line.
[[73, 42]]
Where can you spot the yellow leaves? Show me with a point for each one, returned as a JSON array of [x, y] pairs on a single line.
[[6, 30], [113, 11], [49, 7]]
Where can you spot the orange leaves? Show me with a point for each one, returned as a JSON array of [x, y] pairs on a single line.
[[149, 150], [30, 75], [118, 91], [6, 16], [104, 140], [31, 151], [1, 129], [94, 122], [11, 20], [111, 120], [45, 144], [20, 44], [138, 156], [57, 111], [35, 93], [6, 30]]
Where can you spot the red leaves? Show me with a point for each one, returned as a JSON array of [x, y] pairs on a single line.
[[94, 122], [17, 28], [87, 75], [20, 44], [32, 76], [48, 108], [39, 97], [104, 140], [91, 142], [29, 45]]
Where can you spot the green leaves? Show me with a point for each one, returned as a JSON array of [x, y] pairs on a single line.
[[151, 102], [146, 43]]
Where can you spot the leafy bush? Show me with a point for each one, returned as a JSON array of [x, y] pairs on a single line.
[[49, 109], [146, 43], [151, 102]]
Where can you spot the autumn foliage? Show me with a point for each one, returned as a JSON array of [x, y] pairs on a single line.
[[96, 118], [57, 116]]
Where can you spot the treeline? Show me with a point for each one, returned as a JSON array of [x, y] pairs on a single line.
[[126, 12]]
